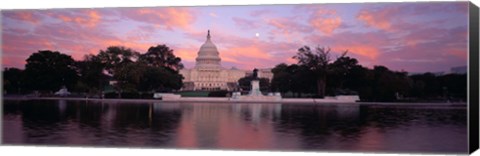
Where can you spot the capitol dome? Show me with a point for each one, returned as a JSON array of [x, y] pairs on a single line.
[[208, 56], [209, 75]]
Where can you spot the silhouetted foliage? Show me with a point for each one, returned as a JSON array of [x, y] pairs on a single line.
[[160, 79], [454, 86], [161, 56], [340, 71], [346, 77], [281, 78], [447, 87], [48, 71], [156, 70], [13, 80], [128, 76], [245, 83], [92, 76], [220, 93], [360, 79], [388, 85], [115, 56], [161, 71], [293, 78], [133, 77], [139, 75], [317, 61]]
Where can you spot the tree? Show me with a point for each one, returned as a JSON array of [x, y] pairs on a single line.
[[116, 62], [360, 79], [281, 78], [128, 76], [303, 80], [12, 80], [316, 61], [454, 86], [91, 71], [388, 85], [293, 78], [157, 69], [115, 56], [173, 80], [49, 71], [162, 69], [428, 86], [161, 56], [245, 83], [341, 68], [160, 79]]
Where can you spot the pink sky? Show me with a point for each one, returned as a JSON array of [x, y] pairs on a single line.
[[415, 37]]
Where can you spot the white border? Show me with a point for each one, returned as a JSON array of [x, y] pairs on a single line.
[[82, 151]]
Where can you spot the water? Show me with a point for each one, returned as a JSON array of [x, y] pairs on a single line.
[[280, 127]]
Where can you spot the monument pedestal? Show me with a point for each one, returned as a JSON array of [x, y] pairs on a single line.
[[255, 91], [255, 94]]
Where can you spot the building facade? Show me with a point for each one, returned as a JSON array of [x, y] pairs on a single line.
[[208, 74]]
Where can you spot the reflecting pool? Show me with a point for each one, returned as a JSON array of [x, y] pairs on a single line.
[[280, 127]]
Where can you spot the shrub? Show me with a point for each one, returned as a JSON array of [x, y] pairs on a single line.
[[221, 93]]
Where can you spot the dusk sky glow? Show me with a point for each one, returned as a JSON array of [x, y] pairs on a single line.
[[415, 37]]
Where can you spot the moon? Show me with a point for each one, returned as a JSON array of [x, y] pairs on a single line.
[[257, 34]]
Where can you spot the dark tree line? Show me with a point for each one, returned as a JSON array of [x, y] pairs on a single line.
[[430, 86], [317, 75], [48, 71]]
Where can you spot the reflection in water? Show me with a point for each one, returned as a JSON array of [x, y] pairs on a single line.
[[335, 127]]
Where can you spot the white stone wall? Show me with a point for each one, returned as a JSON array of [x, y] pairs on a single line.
[[203, 79], [265, 73]]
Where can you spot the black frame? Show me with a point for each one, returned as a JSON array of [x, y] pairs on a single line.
[[473, 73]]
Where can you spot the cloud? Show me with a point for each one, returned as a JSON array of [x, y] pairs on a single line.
[[258, 13], [20, 44], [407, 36], [286, 28], [366, 47], [212, 14], [74, 32], [13, 61], [166, 17], [258, 54], [17, 48], [460, 53], [326, 25], [429, 49], [188, 53], [291, 60], [243, 52], [368, 51], [247, 52], [413, 37], [458, 7], [427, 54], [22, 15], [397, 17], [87, 18], [138, 46], [245, 23], [15, 30], [378, 19], [321, 17], [417, 60]]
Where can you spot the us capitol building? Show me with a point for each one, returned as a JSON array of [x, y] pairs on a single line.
[[208, 74]]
